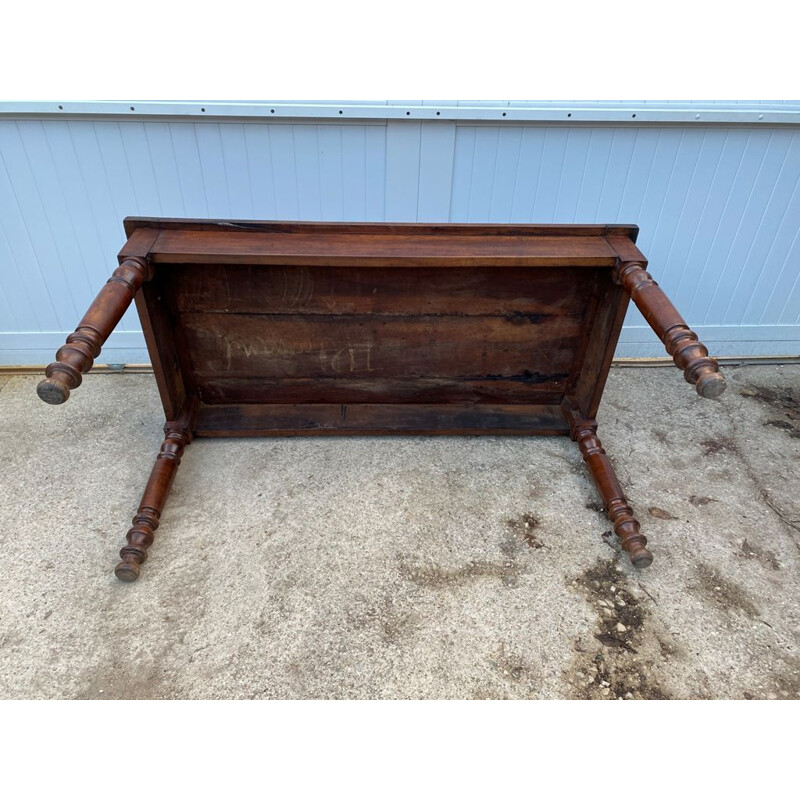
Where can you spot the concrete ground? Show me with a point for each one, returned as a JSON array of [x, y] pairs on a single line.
[[405, 567]]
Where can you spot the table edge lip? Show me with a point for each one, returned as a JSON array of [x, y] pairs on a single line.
[[134, 223]]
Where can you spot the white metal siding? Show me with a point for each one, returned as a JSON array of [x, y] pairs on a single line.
[[718, 205]]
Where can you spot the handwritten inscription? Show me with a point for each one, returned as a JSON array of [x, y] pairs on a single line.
[[353, 357]]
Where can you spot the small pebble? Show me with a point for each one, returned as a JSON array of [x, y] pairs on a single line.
[[621, 628], [605, 690], [605, 683]]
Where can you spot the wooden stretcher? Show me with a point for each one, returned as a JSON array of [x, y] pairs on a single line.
[[284, 328]]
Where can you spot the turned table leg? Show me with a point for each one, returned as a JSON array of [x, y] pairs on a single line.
[[83, 345], [140, 536], [626, 526], [688, 353]]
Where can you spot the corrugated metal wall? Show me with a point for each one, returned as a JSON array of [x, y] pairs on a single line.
[[718, 206]]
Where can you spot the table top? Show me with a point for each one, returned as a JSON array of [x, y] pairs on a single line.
[[381, 244]]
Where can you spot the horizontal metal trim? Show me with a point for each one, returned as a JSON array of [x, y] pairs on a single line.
[[629, 112], [666, 361], [720, 333], [97, 369], [32, 340]]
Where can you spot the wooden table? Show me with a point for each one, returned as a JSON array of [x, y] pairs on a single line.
[[284, 328]]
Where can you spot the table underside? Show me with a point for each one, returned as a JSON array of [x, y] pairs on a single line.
[[276, 349]]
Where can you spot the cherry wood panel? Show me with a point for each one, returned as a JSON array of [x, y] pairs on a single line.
[[537, 389], [364, 346], [603, 328], [158, 327], [384, 418], [515, 292]]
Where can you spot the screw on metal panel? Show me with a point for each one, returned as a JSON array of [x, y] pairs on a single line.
[[761, 116], [697, 116]]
